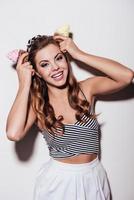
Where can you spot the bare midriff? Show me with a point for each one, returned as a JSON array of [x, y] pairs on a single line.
[[79, 159]]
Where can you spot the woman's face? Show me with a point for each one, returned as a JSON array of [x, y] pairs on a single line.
[[52, 66]]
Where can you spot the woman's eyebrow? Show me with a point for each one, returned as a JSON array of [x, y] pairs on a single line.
[[48, 60]]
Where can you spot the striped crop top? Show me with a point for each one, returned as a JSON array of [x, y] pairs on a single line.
[[78, 138]]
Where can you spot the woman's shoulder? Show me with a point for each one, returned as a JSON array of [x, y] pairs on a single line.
[[86, 87], [88, 83]]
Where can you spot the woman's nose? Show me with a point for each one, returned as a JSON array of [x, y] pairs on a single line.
[[55, 66]]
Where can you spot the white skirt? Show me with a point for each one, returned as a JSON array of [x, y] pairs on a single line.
[[62, 181]]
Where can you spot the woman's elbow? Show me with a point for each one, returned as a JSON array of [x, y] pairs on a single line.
[[13, 136], [128, 78]]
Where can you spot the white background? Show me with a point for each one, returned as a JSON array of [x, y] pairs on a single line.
[[104, 28]]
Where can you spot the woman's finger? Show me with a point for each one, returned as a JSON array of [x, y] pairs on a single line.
[[21, 58], [29, 66], [63, 49], [59, 37], [26, 64]]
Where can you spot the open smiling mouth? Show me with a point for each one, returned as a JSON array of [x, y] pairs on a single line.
[[58, 76]]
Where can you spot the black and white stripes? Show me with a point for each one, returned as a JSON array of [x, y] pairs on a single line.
[[78, 138]]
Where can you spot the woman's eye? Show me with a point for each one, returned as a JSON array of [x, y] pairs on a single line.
[[60, 57], [44, 65]]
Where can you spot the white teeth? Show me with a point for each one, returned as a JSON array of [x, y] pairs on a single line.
[[57, 75]]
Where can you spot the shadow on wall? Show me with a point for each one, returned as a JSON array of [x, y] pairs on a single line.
[[24, 148]]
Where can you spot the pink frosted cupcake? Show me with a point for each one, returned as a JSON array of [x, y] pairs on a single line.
[[14, 55]]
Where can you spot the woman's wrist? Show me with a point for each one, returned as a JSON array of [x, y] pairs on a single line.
[[79, 54], [24, 86]]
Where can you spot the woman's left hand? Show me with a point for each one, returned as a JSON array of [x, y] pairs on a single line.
[[67, 44]]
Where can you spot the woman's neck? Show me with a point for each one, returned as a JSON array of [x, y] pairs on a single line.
[[57, 93]]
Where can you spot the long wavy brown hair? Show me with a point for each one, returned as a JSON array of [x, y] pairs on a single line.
[[39, 92]]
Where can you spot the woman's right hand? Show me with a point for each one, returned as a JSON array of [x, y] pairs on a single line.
[[24, 70]]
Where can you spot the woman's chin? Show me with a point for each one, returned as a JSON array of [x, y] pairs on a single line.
[[61, 84], [58, 83]]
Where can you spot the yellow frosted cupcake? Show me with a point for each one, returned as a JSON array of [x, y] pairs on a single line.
[[63, 30]]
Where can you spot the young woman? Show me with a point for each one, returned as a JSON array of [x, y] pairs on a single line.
[[63, 109]]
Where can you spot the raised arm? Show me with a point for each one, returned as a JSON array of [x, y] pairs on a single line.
[[117, 77], [21, 116]]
